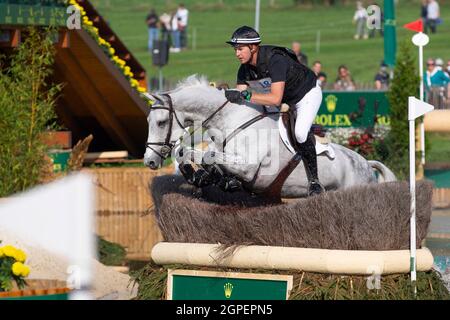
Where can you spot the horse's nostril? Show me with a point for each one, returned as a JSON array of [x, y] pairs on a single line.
[[152, 164]]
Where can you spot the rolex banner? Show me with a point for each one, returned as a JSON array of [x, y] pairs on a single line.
[[353, 109], [390, 39], [211, 285]]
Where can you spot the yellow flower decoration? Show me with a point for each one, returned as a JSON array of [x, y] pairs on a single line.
[[121, 64], [20, 256], [101, 41], [12, 252], [17, 268], [25, 271], [9, 251], [134, 83]]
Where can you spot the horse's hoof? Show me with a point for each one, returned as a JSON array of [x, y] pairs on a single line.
[[201, 178], [228, 184]]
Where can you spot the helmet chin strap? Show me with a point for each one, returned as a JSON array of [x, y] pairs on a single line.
[[253, 58]]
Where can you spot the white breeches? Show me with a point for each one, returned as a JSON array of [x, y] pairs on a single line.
[[307, 109]]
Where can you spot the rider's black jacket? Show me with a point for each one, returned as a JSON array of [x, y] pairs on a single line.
[[276, 64]]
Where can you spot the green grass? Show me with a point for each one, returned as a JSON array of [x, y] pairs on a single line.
[[152, 280], [282, 25]]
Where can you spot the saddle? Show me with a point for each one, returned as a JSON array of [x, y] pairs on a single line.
[[286, 126], [288, 117]]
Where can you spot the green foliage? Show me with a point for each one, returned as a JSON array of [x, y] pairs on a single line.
[[27, 102], [152, 281], [7, 278], [405, 84], [110, 254], [8, 257]]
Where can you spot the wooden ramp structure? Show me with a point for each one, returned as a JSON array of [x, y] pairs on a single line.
[[97, 98]]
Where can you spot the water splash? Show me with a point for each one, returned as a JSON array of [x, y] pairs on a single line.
[[442, 264]]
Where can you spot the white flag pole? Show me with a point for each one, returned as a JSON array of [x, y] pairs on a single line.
[[422, 125], [412, 191], [421, 40], [416, 108], [257, 15]]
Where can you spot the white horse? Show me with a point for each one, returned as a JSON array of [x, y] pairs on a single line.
[[259, 144]]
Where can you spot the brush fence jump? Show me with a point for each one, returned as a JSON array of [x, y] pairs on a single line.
[[360, 230]]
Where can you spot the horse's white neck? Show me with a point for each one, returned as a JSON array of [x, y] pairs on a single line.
[[197, 103]]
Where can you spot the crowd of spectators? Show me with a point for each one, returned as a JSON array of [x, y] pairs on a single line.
[[171, 27], [436, 78], [430, 14]]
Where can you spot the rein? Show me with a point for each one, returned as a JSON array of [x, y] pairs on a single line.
[[168, 145]]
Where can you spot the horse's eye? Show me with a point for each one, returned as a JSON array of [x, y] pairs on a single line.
[[162, 123]]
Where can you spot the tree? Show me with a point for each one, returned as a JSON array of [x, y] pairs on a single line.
[[27, 101], [404, 84]]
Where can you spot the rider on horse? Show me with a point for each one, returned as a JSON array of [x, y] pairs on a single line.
[[278, 70]]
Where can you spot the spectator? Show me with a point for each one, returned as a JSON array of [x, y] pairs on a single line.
[[344, 80], [381, 29], [434, 77], [439, 63], [223, 86], [382, 78], [316, 67], [322, 79], [175, 33], [436, 82], [183, 14], [297, 48], [447, 70], [321, 76], [152, 23], [164, 20], [424, 11], [432, 16], [360, 18]]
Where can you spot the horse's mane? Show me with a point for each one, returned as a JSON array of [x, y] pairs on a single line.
[[198, 83], [193, 80]]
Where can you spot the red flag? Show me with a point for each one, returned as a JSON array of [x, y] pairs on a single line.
[[415, 25]]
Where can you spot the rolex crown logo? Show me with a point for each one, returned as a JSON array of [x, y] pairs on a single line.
[[331, 101], [228, 288]]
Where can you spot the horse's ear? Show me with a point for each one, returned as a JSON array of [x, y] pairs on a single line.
[[153, 98]]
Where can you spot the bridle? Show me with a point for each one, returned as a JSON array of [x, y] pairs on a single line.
[[167, 145]]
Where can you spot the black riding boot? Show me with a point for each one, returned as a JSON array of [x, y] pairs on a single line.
[[308, 153]]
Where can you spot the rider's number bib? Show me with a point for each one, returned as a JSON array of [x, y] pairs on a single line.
[[261, 85]]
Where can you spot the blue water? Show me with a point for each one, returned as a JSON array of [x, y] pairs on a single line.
[[440, 248], [442, 264]]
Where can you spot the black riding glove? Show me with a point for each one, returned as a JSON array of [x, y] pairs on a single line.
[[235, 96]]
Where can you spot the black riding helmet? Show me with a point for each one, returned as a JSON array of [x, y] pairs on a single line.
[[244, 35]]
